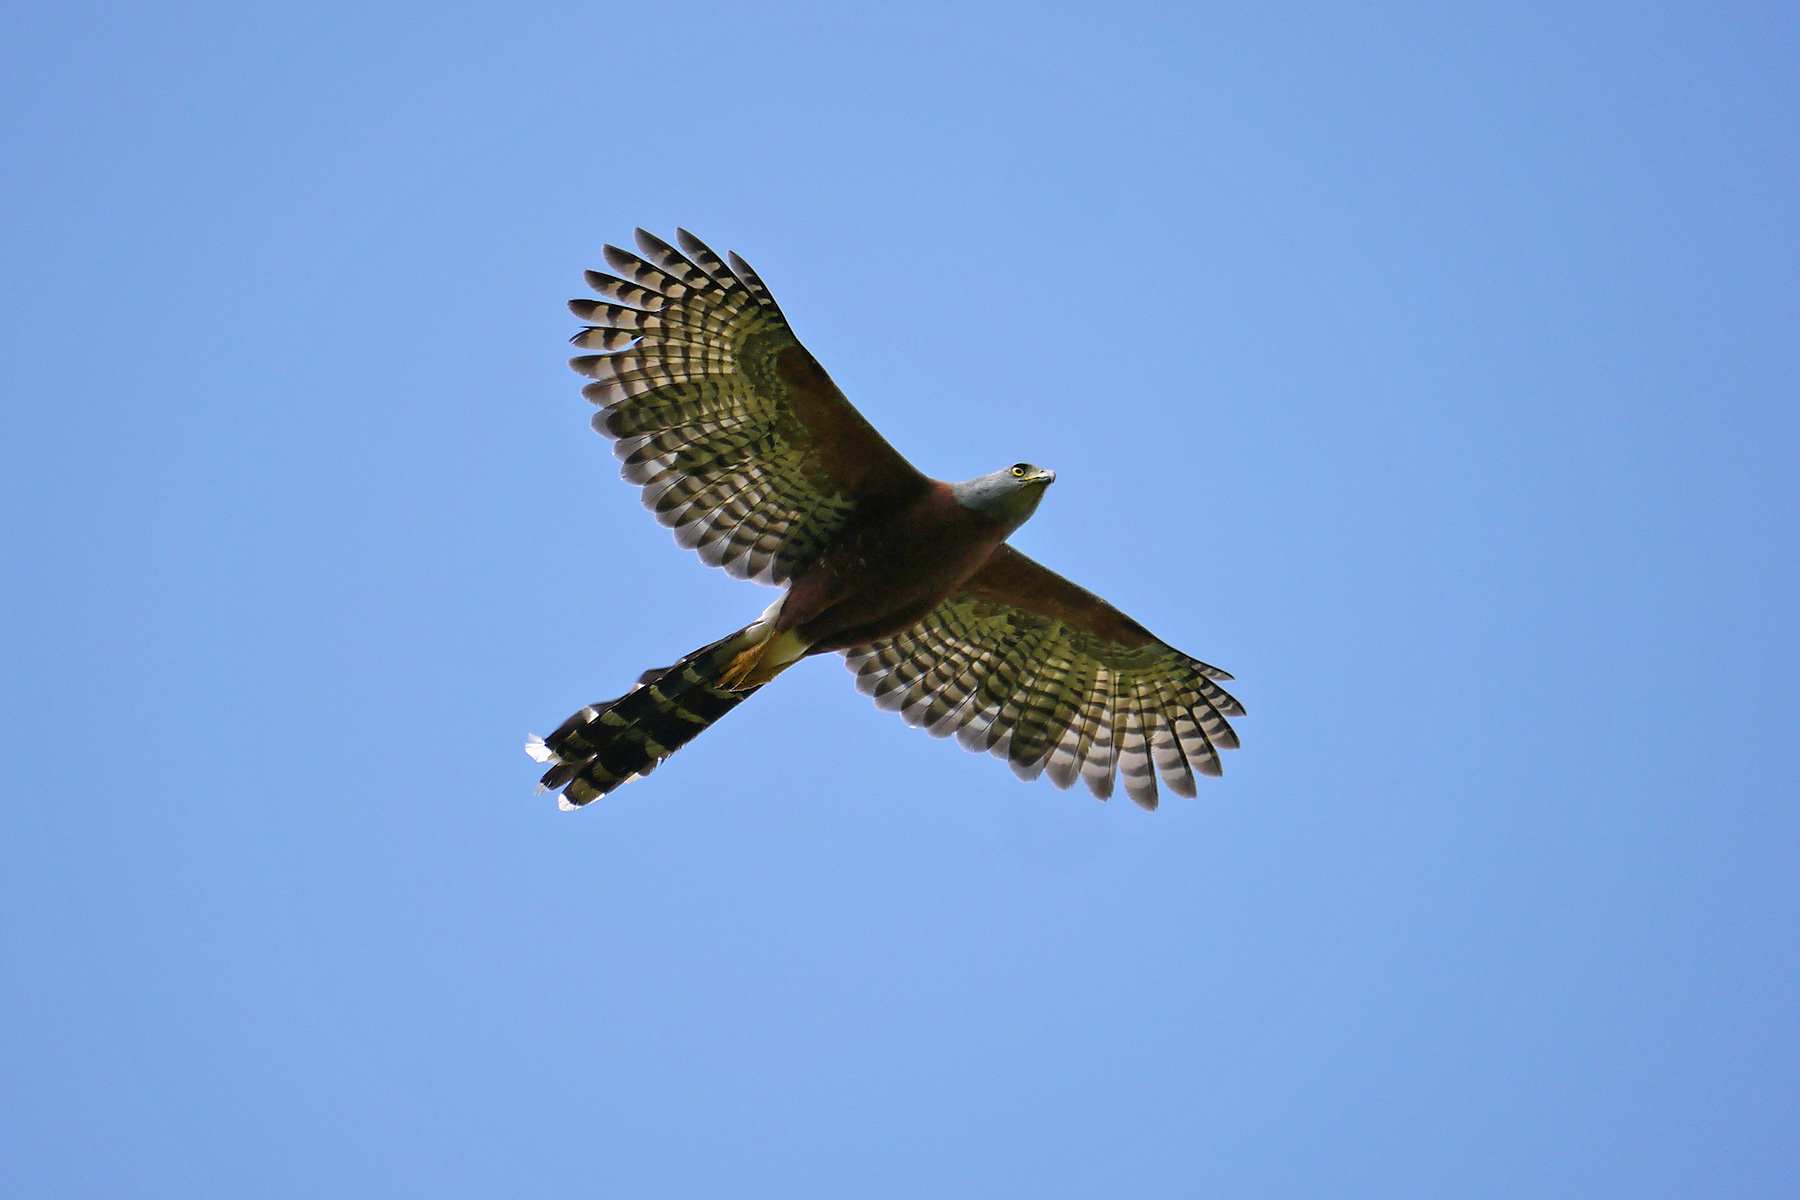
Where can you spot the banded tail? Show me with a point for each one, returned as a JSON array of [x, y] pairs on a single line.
[[606, 745]]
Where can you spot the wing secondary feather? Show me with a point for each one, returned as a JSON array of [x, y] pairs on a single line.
[[741, 442], [1026, 665]]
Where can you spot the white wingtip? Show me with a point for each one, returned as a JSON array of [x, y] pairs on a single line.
[[534, 746]]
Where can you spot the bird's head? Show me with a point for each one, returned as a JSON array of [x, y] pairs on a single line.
[[1011, 495]]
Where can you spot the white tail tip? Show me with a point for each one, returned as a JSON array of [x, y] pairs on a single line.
[[534, 746], [562, 802]]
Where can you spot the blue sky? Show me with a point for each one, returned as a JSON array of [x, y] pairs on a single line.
[[1431, 368]]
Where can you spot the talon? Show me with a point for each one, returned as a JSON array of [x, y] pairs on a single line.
[[741, 666]]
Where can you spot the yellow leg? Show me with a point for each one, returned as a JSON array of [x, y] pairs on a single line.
[[762, 661], [740, 667]]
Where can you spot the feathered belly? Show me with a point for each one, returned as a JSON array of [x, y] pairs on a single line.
[[876, 586]]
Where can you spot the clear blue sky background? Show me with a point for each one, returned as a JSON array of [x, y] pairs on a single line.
[[1432, 368]]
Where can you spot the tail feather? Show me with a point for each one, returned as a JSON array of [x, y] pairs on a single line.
[[606, 745]]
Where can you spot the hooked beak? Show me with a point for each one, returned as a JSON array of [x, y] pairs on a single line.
[[1044, 476]]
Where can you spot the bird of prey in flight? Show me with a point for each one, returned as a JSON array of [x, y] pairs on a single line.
[[747, 450]]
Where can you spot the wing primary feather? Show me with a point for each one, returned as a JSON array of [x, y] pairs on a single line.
[[703, 257], [1135, 769], [1168, 749], [625, 292], [670, 260], [599, 338], [1219, 698], [631, 267], [752, 281]]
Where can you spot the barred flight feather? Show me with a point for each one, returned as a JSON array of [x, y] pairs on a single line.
[[751, 280], [697, 251], [1017, 717], [666, 258], [682, 279], [1135, 769], [966, 696], [623, 291], [1052, 700], [935, 691], [1166, 747], [703, 422], [1042, 715], [604, 746], [991, 693], [1204, 702]]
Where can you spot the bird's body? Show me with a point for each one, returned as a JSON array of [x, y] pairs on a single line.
[[887, 572], [745, 446]]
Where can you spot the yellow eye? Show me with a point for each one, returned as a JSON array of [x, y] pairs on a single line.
[[1018, 472]]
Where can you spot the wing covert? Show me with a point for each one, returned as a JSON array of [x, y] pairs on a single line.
[[1027, 666], [741, 442]]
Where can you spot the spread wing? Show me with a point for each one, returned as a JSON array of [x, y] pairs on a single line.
[[741, 442], [1024, 664]]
